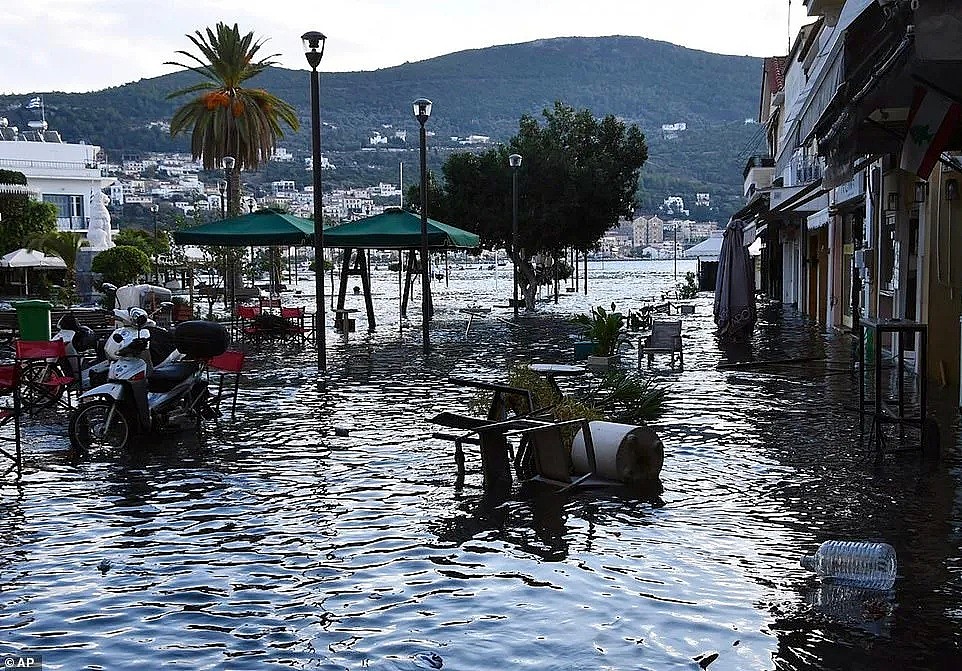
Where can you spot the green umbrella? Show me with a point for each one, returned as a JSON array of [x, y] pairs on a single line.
[[396, 229], [263, 228]]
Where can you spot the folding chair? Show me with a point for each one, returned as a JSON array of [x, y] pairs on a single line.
[[247, 314], [297, 327], [229, 363], [9, 378], [267, 304], [44, 379]]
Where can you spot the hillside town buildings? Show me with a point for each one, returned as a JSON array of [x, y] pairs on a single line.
[[857, 201]]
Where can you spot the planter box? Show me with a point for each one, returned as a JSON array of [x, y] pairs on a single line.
[[602, 362], [584, 349]]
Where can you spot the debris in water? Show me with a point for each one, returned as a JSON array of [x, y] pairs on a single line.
[[342, 431], [706, 659], [104, 565]]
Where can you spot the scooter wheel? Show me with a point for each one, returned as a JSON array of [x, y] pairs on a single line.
[[99, 423]]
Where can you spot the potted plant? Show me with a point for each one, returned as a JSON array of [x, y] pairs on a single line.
[[182, 310], [605, 329]]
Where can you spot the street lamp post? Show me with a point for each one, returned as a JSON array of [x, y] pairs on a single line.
[[515, 162], [222, 187], [153, 213], [228, 164], [422, 112], [314, 51]]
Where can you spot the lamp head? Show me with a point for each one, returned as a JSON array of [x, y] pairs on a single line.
[[422, 110], [514, 160], [314, 47], [952, 189], [228, 162]]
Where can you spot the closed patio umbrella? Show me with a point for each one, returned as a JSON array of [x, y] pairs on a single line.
[[735, 287]]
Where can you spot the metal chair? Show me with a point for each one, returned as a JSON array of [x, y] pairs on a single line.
[[230, 362], [9, 381], [45, 379]]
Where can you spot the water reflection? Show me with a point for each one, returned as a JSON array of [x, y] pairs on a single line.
[[273, 542]]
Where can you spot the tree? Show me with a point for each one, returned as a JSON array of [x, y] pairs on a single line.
[[578, 176], [144, 241], [23, 219], [226, 119], [121, 265], [64, 244]]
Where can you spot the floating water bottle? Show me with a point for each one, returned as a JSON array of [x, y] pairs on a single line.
[[860, 563]]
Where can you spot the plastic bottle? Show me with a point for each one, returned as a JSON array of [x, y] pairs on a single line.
[[861, 563]]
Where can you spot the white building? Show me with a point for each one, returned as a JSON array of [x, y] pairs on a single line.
[[670, 131], [71, 176]]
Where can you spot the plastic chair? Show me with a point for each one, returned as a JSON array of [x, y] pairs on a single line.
[[230, 362], [9, 381], [43, 380], [270, 303]]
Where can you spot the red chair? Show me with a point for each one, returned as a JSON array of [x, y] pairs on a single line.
[[248, 314], [44, 380], [229, 363], [270, 303], [9, 380], [297, 326]]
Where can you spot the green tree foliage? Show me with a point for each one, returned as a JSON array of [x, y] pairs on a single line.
[[227, 118], [143, 240], [121, 265], [578, 176], [23, 219]]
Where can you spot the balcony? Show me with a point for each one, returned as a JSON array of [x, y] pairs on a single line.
[[758, 175], [806, 169]]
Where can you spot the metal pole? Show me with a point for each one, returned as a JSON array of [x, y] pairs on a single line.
[[675, 252], [319, 321], [425, 280], [514, 234]]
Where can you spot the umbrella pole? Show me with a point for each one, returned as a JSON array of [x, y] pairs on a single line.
[[447, 271]]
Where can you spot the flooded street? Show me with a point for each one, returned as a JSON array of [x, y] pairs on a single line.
[[270, 542]]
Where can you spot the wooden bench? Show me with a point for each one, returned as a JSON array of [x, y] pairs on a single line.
[[665, 338]]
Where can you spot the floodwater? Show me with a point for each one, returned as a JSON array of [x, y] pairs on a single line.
[[270, 542]]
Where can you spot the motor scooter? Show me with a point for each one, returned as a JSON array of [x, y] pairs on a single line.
[[138, 398]]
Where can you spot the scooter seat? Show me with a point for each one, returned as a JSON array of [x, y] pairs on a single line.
[[166, 377]]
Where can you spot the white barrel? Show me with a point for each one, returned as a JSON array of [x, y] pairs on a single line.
[[623, 452]]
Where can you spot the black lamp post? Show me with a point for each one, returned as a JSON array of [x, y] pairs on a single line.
[[422, 112], [228, 163], [222, 187], [314, 51], [153, 213], [515, 162]]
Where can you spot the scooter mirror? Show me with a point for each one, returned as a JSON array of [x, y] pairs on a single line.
[[108, 288]]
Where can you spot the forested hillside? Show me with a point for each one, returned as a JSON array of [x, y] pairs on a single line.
[[479, 92]]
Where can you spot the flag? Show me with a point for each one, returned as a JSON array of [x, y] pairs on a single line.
[[34, 103], [932, 121]]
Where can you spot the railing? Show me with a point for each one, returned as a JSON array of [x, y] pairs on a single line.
[[51, 165], [807, 169]]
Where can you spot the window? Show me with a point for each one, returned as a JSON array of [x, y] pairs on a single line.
[[70, 208]]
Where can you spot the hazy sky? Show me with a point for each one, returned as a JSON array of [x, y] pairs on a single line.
[[84, 45]]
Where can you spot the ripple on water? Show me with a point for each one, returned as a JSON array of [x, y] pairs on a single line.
[[271, 542]]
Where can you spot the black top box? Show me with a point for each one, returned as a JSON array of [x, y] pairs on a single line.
[[198, 339]]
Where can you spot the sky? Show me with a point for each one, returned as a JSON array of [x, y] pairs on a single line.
[[88, 45]]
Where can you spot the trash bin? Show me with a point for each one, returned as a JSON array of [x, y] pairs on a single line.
[[33, 318]]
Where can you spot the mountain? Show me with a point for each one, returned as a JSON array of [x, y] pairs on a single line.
[[479, 92]]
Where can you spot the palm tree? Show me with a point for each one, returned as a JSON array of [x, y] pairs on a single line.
[[227, 119], [66, 245]]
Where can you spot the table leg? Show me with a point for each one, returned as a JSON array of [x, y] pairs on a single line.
[[900, 375]]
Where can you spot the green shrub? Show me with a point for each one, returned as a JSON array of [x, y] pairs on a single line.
[[121, 265]]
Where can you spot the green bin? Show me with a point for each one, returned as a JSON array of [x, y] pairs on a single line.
[[33, 317]]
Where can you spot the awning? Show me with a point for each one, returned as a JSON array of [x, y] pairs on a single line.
[[818, 220], [755, 208], [804, 199]]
